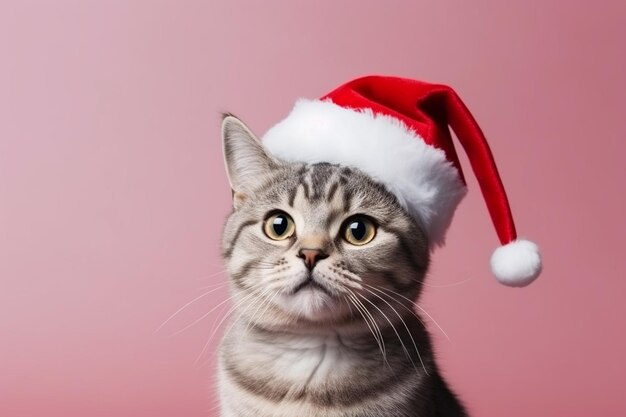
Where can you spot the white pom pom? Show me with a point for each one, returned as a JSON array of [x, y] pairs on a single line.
[[516, 264]]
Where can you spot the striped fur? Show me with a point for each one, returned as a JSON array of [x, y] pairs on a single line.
[[354, 348]]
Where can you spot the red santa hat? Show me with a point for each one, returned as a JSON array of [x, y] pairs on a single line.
[[396, 130]]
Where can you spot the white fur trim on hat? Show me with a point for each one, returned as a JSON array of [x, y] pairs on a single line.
[[419, 175], [516, 264]]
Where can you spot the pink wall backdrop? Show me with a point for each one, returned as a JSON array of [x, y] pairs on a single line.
[[112, 191]]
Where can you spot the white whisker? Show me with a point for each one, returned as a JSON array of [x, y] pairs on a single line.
[[202, 317], [373, 322], [405, 326], [265, 300], [452, 284], [211, 276], [421, 309], [371, 329], [187, 305], [406, 351], [216, 328]]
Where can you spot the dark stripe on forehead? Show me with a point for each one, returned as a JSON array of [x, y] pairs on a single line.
[[319, 176], [347, 199], [292, 195], [305, 188], [228, 252], [304, 182], [303, 169], [331, 191], [294, 190]]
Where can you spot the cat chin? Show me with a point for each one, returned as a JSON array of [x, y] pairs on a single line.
[[311, 303]]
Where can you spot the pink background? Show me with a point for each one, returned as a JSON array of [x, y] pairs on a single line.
[[112, 191]]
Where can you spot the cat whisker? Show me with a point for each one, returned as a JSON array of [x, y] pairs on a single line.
[[347, 274], [265, 301], [210, 410], [349, 306], [270, 302], [351, 300], [262, 268], [405, 326], [278, 271], [433, 320], [239, 317], [421, 309], [203, 316], [213, 330], [217, 284], [406, 351], [188, 304], [453, 284], [234, 307], [379, 338], [199, 319], [211, 276], [399, 303]]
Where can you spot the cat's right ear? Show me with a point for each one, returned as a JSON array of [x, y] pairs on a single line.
[[245, 159]]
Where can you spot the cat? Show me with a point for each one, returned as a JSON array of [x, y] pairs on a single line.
[[325, 266]]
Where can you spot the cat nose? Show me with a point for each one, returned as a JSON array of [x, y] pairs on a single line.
[[311, 257]]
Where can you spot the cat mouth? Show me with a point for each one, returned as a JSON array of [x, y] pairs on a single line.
[[310, 283]]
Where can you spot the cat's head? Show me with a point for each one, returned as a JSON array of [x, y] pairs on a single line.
[[309, 242]]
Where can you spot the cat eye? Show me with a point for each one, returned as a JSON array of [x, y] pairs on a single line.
[[359, 230], [279, 226]]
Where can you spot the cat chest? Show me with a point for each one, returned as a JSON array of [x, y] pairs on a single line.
[[291, 367], [305, 362], [309, 377]]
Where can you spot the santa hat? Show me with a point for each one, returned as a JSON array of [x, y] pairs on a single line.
[[396, 130]]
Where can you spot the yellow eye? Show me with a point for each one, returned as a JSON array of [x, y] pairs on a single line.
[[279, 226], [359, 231]]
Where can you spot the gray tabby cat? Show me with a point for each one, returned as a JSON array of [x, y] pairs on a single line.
[[325, 267]]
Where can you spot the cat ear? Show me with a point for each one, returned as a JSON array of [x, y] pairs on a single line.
[[245, 159]]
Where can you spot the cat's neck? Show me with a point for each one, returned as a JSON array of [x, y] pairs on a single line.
[[319, 366], [319, 349], [301, 358]]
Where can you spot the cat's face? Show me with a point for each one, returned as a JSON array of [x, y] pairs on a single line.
[[310, 243]]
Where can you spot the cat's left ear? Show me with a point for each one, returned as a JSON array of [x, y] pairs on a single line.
[[245, 158]]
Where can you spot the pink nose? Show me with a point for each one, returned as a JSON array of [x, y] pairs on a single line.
[[311, 257]]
